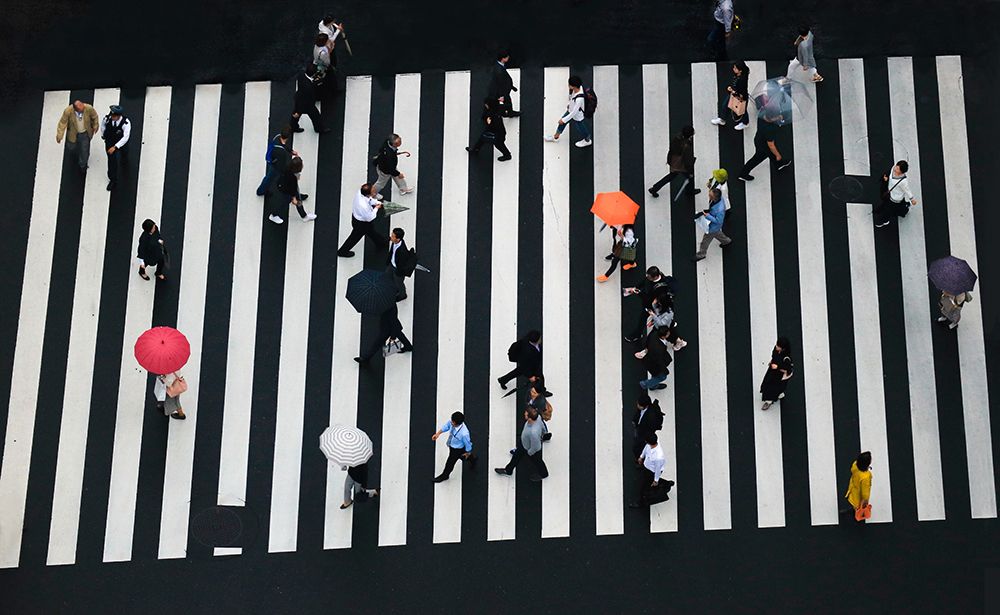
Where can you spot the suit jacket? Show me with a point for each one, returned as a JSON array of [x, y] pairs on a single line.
[[91, 123], [652, 421], [404, 259], [657, 358], [500, 82], [389, 323], [529, 360], [305, 94], [387, 160], [495, 125]]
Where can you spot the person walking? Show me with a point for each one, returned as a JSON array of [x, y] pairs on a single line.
[[537, 399], [530, 446], [651, 462], [493, 131], [397, 262], [779, 372], [734, 99], [680, 161], [653, 283], [151, 252], [363, 213], [279, 153], [306, 95], [661, 316], [501, 86], [656, 360], [323, 57], [576, 112], [764, 147], [722, 29], [527, 354], [288, 192], [390, 332], [356, 482], [624, 249], [386, 163], [167, 389], [859, 489], [115, 130], [804, 58], [896, 196], [79, 123], [330, 27], [459, 445], [715, 215], [647, 420], [951, 307]]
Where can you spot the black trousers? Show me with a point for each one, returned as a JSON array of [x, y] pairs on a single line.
[[520, 453], [728, 115], [506, 107], [280, 202], [514, 373], [312, 112], [399, 281], [360, 230], [114, 160], [759, 156], [501, 145], [669, 176], [454, 454], [379, 341]]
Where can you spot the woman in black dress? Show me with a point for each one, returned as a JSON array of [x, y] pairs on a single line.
[[151, 252], [779, 372]]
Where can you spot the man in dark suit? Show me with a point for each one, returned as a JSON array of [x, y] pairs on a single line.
[[305, 101], [656, 360], [501, 85], [648, 419], [389, 328], [527, 353], [399, 262]]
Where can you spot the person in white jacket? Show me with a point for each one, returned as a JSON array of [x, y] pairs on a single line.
[[574, 113]]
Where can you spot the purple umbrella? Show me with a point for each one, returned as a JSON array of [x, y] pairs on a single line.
[[952, 275]]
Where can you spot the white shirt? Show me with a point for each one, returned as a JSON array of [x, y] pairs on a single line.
[[160, 384], [364, 207], [321, 57], [395, 247], [899, 187], [126, 129], [330, 30], [574, 109], [653, 460]]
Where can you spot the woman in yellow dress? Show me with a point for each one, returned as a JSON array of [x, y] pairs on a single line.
[[860, 487]]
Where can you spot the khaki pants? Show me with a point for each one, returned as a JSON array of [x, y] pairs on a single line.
[[383, 179], [707, 241]]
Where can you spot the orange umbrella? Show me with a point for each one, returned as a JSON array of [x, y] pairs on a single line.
[[615, 208]]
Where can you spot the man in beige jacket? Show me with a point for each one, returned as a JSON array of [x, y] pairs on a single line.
[[79, 122]]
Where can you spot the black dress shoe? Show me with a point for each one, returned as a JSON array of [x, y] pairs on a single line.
[[111, 186], [347, 254], [504, 158], [471, 151], [659, 387], [697, 191], [360, 361], [440, 479], [299, 129], [502, 384], [546, 437], [609, 257], [501, 471], [654, 193], [303, 197]]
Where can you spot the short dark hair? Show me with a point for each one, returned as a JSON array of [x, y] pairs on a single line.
[[533, 336], [716, 194], [398, 232], [687, 132], [663, 331], [575, 81], [295, 165], [286, 132], [457, 418], [864, 461], [803, 30], [147, 225], [329, 19], [366, 189], [785, 344], [532, 413], [322, 38], [653, 271], [503, 53], [903, 165], [740, 64], [644, 399], [651, 438]]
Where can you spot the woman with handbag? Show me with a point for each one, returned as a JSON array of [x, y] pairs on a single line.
[[779, 372], [151, 252], [859, 489], [734, 99], [624, 249], [167, 389]]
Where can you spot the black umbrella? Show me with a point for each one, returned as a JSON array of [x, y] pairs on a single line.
[[371, 291]]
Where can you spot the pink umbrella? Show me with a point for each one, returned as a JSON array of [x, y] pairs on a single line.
[[162, 350]]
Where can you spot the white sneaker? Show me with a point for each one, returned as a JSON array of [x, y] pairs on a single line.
[[380, 196], [680, 344], [309, 218], [584, 143], [276, 219], [719, 121], [942, 318], [549, 138], [740, 126], [408, 190]]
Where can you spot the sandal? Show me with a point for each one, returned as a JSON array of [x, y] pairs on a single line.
[[348, 505]]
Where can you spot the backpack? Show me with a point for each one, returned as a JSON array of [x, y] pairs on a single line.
[[657, 423], [513, 351], [589, 102]]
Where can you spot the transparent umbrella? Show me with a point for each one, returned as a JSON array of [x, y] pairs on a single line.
[[782, 100]]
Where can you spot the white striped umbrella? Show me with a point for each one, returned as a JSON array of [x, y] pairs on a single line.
[[346, 446]]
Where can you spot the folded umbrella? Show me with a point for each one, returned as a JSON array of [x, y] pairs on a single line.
[[615, 208], [346, 446], [162, 350], [371, 291], [952, 275]]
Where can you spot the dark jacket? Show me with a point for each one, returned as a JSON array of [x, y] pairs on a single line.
[[150, 250], [387, 160], [739, 84], [681, 155], [389, 323], [500, 82], [359, 474], [305, 94], [288, 183], [652, 421], [405, 260], [657, 358], [495, 124], [648, 289], [281, 155], [529, 360]]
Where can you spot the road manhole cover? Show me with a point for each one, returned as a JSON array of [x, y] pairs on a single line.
[[217, 526], [847, 189]]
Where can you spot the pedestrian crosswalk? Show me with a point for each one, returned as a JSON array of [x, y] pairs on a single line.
[[92, 472]]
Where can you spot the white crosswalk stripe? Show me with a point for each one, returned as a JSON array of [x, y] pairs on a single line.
[[403, 454]]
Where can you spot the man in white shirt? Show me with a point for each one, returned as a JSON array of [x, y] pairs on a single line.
[[575, 112], [115, 130], [366, 206], [652, 461], [397, 246], [896, 195]]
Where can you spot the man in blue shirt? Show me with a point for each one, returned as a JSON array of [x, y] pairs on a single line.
[[716, 215], [459, 445]]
